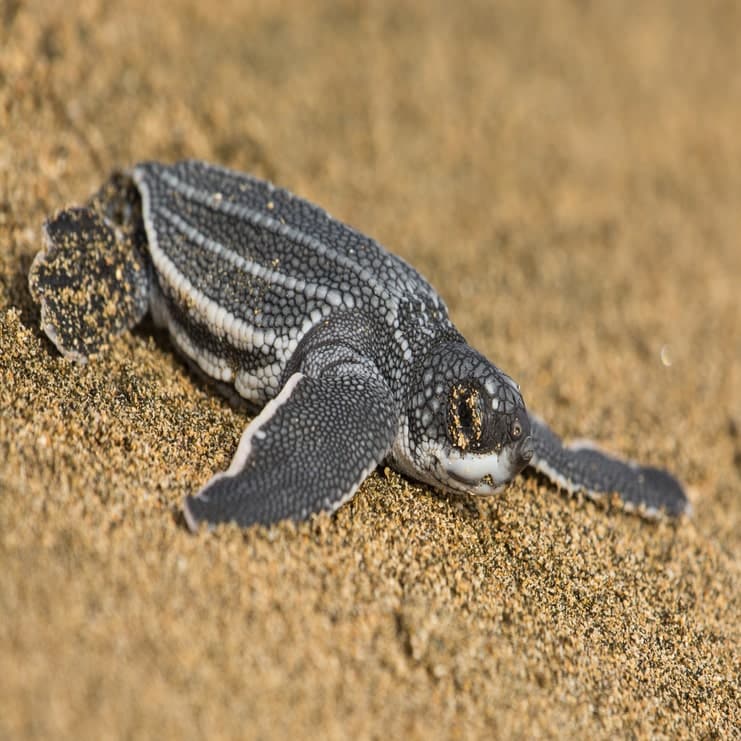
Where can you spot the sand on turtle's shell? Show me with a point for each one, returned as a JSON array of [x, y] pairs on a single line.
[[567, 176]]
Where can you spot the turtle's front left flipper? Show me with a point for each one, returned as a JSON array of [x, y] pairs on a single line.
[[584, 468], [307, 451]]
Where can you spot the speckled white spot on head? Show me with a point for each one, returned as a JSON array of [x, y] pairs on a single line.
[[511, 382]]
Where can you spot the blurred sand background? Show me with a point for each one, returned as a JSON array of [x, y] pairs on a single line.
[[568, 174]]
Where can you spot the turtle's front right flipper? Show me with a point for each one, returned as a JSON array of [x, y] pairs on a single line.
[[307, 451], [584, 468]]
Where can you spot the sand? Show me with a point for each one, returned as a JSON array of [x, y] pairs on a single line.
[[567, 174]]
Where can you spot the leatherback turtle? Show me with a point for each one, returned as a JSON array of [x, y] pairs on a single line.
[[349, 351]]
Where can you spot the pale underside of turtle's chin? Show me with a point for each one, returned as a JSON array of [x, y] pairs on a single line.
[[479, 474]]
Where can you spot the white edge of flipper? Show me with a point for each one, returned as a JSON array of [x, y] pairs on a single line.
[[650, 513], [244, 448]]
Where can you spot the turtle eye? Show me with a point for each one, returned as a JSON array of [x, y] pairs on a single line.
[[465, 416]]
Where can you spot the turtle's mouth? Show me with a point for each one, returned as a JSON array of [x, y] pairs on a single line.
[[484, 474], [477, 474], [484, 486]]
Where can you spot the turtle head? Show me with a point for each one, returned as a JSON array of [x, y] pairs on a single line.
[[466, 426]]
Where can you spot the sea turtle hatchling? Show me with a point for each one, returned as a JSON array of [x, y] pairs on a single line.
[[349, 351]]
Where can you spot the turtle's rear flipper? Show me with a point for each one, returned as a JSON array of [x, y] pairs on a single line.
[[582, 468], [307, 451], [91, 280]]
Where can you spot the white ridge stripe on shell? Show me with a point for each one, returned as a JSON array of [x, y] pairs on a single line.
[[209, 363], [255, 269], [241, 334], [260, 218], [253, 384]]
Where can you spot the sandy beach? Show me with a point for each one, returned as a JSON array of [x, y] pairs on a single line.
[[568, 176]]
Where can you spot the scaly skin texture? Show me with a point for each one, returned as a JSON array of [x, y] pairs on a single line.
[[350, 351]]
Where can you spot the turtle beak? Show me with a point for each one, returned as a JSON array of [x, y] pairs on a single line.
[[485, 474]]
